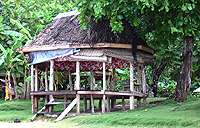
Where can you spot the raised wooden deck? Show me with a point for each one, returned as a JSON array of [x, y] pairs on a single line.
[[95, 93]]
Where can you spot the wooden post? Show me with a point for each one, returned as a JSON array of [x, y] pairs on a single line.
[[65, 101], [108, 104], [131, 86], [51, 79], [92, 82], [113, 102], [32, 77], [36, 89], [46, 79], [36, 78], [144, 88], [123, 103], [139, 74], [92, 103], [32, 88], [78, 86], [104, 87], [85, 104], [70, 81]]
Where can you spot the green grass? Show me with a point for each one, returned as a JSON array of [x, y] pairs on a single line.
[[164, 115], [10, 110]]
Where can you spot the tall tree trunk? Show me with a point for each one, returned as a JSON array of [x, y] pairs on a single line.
[[15, 86], [156, 72], [184, 80]]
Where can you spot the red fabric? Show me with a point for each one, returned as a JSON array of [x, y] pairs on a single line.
[[91, 65]]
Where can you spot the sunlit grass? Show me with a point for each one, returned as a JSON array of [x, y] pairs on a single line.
[[163, 115]]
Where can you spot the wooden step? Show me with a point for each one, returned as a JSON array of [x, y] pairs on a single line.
[[56, 103], [52, 115]]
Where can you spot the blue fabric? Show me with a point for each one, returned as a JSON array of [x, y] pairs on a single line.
[[42, 56]]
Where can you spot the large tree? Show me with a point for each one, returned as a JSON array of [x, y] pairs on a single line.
[[160, 22]]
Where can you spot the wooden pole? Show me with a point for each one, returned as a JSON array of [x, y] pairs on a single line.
[[51, 79], [144, 88], [32, 88], [32, 77], [70, 81], [108, 104], [78, 86], [46, 79], [36, 78], [104, 87], [131, 86], [92, 82]]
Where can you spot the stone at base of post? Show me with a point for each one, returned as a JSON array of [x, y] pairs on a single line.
[[132, 103]]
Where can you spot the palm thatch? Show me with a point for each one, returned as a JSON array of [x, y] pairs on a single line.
[[65, 29]]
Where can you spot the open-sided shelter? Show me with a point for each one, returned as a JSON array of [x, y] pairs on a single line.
[[63, 46]]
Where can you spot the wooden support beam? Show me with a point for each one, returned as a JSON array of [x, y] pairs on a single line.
[[97, 45], [131, 86], [36, 78], [92, 83], [123, 103], [46, 79], [70, 81], [51, 79], [51, 82], [113, 102], [32, 88], [32, 78], [108, 104], [67, 110], [77, 86], [144, 88], [85, 104], [65, 100], [104, 87], [92, 103]]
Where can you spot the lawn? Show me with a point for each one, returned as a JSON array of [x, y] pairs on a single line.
[[165, 115]]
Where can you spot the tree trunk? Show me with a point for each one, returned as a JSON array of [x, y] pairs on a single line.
[[156, 72], [15, 86], [184, 80]]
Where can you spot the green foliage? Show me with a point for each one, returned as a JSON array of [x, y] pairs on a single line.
[[164, 24], [166, 88]]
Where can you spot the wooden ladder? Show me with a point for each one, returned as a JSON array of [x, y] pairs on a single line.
[[52, 103], [67, 110]]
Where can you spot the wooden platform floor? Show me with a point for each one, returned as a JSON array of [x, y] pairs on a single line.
[[84, 94]]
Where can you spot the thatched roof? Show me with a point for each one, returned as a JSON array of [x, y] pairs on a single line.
[[65, 29]]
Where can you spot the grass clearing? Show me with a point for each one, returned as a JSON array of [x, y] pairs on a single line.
[[165, 115]]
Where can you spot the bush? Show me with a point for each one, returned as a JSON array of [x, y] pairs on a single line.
[[167, 88]]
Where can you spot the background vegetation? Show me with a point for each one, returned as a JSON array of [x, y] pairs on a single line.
[[164, 25]]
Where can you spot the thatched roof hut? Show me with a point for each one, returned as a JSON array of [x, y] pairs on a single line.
[[63, 46], [63, 37]]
